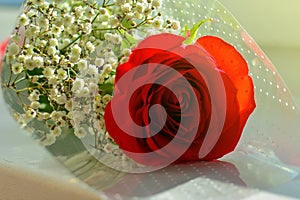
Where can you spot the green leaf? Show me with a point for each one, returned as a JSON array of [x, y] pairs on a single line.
[[185, 30], [128, 40], [107, 88], [45, 105], [194, 31]]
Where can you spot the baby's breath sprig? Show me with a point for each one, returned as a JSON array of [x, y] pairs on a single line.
[[65, 53]]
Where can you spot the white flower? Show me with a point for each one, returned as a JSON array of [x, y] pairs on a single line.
[[140, 7], [103, 11], [93, 88], [38, 61], [79, 11], [175, 25], [62, 74], [38, 2], [106, 98], [34, 96], [69, 105], [78, 84], [89, 12], [13, 49], [56, 131], [43, 22], [61, 99], [55, 115], [90, 46], [84, 92], [127, 52], [48, 72], [80, 132], [52, 80], [113, 21], [41, 43], [82, 66], [29, 115], [126, 7], [35, 105], [68, 19], [23, 20], [93, 70], [56, 30], [99, 62], [50, 139], [87, 28], [156, 3], [107, 68], [157, 22], [52, 50], [53, 42], [17, 68], [15, 37]]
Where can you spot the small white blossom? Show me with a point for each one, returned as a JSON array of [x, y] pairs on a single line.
[[50, 139], [52, 80], [35, 105], [157, 22], [62, 74], [103, 11], [61, 99], [43, 22], [89, 12], [90, 46], [79, 11], [38, 2], [84, 92], [99, 62], [56, 30], [69, 105], [29, 64], [38, 61], [17, 68], [56, 115], [156, 3], [15, 37], [53, 42], [106, 98], [107, 68], [56, 131], [29, 115], [140, 7], [52, 50], [175, 25], [48, 72], [68, 20], [93, 70], [80, 132], [93, 88], [78, 84], [13, 49], [82, 66], [126, 7], [23, 20], [34, 96], [113, 21], [127, 52]]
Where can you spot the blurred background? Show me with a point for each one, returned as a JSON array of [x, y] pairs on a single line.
[[274, 24]]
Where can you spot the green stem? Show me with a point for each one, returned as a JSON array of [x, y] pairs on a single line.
[[75, 40]]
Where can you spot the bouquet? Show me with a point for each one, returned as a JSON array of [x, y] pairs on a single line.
[[139, 84], [128, 81]]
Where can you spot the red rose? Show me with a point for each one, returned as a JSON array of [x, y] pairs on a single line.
[[174, 102], [2, 51]]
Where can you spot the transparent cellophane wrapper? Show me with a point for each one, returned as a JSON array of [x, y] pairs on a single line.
[[267, 155]]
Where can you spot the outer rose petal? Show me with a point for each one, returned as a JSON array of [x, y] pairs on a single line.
[[234, 65]]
